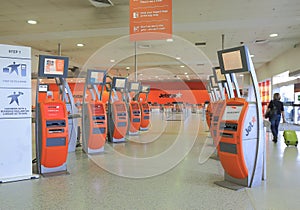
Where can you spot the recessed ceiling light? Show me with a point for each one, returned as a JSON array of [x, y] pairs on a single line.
[[127, 68], [32, 22], [169, 40], [178, 58], [79, 45], [273, 35], [112, 60], [182, 66], [251, 56], [185, 73]]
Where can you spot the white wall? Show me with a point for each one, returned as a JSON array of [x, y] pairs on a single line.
[[288, 61]]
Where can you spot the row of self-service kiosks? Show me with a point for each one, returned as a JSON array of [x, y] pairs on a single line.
[[235, 123], [139, 111], [100, 121], [112, 121], [125, 113]]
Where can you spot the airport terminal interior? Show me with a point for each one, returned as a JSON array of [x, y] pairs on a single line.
[[149, 104]]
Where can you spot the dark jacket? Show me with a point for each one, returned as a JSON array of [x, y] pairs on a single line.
[[277, 104]]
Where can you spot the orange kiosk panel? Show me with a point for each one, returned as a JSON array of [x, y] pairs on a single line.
[[53, 135], [135, 117], [97, 126], [230, 148], [145, 116], [120, 119]]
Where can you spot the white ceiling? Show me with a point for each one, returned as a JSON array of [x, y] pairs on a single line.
[[69, 22]]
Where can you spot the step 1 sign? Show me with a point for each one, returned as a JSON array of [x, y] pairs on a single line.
[[150, 19], [15, 113]]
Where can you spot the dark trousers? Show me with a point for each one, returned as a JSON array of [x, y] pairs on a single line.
[[275, 120]]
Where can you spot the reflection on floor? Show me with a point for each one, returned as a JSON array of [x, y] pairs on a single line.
[[160, 169]]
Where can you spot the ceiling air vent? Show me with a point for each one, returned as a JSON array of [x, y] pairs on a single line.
[[144, 46], [260, 41], [200, 43], [101, 3], [294, 73]]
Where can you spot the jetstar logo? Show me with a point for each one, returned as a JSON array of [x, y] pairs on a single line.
[[250, 126], [178, 95]]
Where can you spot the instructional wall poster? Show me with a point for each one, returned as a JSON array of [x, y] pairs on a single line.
[[150, 19], [15, 113]]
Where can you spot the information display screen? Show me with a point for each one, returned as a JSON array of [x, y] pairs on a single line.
[[232, 112], [135, 106], [213, 82], [120, 108], [145, 89], [43, 87], [219, 77], [119, 83], [145, 106], [234, 60], [53, 66], [97, 109], [96, 77], [134, 86]]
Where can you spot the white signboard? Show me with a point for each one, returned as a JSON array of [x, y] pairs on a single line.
[[15, 150], [15, 113], [15, 66], [15, 103], [232, 113]]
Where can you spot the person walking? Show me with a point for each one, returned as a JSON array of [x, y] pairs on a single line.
[[275, 118]]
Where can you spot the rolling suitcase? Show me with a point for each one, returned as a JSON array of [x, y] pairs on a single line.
[[290, 137]]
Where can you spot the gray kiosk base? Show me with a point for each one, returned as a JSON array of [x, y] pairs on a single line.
[[57, 173], [229, 185]]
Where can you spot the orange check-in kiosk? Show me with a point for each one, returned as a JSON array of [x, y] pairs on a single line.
[[134, 109], [241, 147], [135, 117], [238, 141], [95, 127], [120, 121], [117, 111], [145, 109], [145, 118], [94, 118], [51, 125], [53, 136]]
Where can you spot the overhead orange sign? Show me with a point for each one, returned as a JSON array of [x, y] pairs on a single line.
[[150, 19]]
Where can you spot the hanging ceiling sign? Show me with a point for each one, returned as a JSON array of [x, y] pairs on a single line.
[[150, 19]]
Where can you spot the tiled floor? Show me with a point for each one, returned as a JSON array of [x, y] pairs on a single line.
[[163, 172]]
